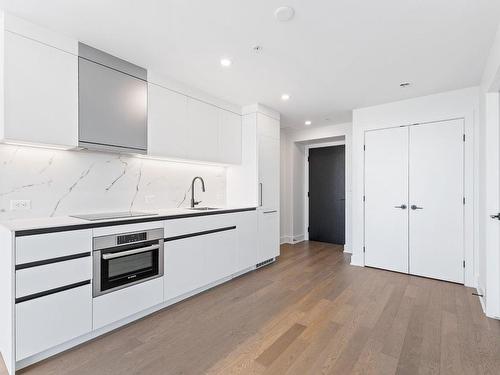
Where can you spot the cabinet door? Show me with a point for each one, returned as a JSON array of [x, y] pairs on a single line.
[[248, 242], [45, 322], [268, 126], [184, 266], [41, 93], [386, 199], [221, 254], [269, 172], [167, 123], [230, 138], [269, 243], [203, 130]]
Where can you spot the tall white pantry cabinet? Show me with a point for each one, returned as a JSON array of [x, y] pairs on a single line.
[[255, 182]]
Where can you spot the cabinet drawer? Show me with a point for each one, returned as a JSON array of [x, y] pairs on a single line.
[[52, 245], [190, 225], [50, 276], [49, 321], [112, 307]]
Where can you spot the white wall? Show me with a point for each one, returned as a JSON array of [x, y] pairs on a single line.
[[453, 104], [293, 186]]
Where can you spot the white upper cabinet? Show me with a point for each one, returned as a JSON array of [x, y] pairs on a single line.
[[41, 93], [182, 127], [167, 122], [203, 129], [230, 138], [268, 126]]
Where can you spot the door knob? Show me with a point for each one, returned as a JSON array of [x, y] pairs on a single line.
[[497, 216], [403, 206], [414, 207]]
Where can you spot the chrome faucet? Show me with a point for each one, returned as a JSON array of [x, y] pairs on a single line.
[[193, 202]]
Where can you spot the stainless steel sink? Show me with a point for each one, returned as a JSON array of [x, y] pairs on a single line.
[[203, 208]]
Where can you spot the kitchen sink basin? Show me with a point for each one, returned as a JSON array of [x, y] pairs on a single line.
[[203, 208]]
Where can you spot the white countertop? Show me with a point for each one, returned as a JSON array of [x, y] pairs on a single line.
[[63, 221]]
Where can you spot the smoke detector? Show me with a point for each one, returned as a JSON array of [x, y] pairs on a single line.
[[284, 14], [257, 49]]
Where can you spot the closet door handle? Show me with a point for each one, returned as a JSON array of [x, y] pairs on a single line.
[[403, 206], [260, 190], [497, 216], [414, 207]]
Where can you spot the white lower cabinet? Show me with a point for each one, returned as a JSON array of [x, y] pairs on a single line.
[[221, 254], [184, 266], [269, 243], [198, 252], [48, 321], [196, 261], [112, 307], [248, 240], [204, 250]]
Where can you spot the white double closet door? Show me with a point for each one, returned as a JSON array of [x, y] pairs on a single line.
[[414, 209]]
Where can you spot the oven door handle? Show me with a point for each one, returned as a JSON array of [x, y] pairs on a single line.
[[129, 252]]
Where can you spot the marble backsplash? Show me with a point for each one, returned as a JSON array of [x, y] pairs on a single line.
[[60, 183]]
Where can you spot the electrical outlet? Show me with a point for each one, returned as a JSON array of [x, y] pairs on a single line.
[[20, 204]]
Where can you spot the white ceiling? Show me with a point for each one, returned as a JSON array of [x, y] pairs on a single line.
[[335, 55]]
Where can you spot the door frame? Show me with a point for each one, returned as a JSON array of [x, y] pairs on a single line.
[[491, 291], [468, 188], [306, 186]]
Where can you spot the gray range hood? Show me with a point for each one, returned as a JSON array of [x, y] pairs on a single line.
[[112, 99]]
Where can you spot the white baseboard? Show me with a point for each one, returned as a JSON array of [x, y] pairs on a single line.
[[357, 260], [298, 238], [347, 250], [291, 239], [286, 239]]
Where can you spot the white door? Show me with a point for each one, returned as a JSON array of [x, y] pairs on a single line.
[[386, 198], [436, 246]]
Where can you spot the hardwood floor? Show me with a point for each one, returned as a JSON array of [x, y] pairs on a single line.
[[309, 313]]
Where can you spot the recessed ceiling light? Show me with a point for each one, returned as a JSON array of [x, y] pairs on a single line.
[[225, 62], [284, 14], [308, 122], [404, 84], [285, 97]]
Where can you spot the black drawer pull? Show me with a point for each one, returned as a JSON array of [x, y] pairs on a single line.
[[51, 260], [196, 234], [52, 291]]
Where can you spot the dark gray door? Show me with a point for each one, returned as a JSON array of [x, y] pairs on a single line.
[[327, 194]]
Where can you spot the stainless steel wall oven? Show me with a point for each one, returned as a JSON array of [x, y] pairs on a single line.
[[122, 260]]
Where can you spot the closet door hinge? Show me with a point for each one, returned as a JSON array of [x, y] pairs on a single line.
[[364, 198], [364, 249], [463, 138], [364, 147], [463, 200], [308, 229], [463, 263]]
